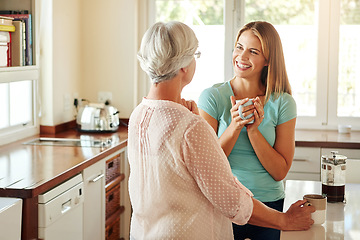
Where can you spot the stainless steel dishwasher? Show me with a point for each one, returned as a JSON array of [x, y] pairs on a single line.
[[61, 211]]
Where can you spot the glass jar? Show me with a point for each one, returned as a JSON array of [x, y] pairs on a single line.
[[333, 171]]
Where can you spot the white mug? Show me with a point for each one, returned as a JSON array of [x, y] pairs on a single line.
[[319, 202], [241, 108]]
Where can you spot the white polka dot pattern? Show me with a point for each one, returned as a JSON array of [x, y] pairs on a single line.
[[180, 185]]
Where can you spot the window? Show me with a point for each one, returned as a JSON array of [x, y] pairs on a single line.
[[17, 104], [206, 19], [348, 92], [297, 27], [321, 41], [16, 101]]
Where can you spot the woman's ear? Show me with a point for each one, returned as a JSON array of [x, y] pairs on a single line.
[[184, 69]]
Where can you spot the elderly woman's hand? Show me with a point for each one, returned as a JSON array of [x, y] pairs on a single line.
[[298, 216], [191, 105]]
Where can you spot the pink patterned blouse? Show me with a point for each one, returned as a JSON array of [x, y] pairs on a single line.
[[180, 185]]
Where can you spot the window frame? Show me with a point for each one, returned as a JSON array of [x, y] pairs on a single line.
[[328, 30], [14, 74], [334, 48], [328, 26]]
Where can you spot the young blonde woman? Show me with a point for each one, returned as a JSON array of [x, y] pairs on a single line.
[[260, 153]]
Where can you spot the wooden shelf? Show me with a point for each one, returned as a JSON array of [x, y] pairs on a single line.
[[113, 186], [113, 225], [115, 182]]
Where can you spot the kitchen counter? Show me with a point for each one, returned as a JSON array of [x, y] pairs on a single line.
[[327, 139], [342, 219], [29, 170]]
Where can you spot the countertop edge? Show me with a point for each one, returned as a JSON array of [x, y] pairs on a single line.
[[347, 145], [58, 179], [77, 169]]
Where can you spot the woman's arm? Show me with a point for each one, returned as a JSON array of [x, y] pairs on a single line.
[[231, 134], [298, 217], [276, 160], [210, 169]]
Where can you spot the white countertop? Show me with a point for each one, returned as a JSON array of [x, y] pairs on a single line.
[[342, 219]]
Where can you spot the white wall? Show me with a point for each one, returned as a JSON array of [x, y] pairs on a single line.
[[109, 51], [44, 32], [66, 57], [86, 46], [60, 59]]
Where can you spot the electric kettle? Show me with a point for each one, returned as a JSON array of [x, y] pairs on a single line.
[[97, 117]]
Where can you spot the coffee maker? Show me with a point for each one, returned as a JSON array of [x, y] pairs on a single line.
[[333, 172]]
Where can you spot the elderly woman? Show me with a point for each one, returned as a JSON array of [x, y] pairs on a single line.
[[181, 185]]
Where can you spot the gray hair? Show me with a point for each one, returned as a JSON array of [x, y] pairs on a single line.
[[165, 49]]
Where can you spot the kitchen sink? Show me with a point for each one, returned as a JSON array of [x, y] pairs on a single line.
[[67, 142]]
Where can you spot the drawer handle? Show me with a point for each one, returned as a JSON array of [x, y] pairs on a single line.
[[300, 160], [66, 206], [97, 178]]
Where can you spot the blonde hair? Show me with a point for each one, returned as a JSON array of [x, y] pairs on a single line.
[[273, 76]]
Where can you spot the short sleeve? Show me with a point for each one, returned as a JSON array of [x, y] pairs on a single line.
[[208, 102], [287, 108]]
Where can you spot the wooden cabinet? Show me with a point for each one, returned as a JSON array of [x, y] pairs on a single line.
[[94, 201], [117, 199]]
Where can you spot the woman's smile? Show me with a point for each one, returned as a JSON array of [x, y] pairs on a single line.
[[242, 66]]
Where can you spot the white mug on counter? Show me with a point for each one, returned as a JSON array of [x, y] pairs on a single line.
[[319, 202]]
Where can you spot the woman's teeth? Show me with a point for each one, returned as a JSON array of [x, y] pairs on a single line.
[[242, 65]]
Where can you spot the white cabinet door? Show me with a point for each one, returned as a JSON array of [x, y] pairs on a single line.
[[94, 202], [307, 162], [10, 218], [305, 165]]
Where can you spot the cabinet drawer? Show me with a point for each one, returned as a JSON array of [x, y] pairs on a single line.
[[112, 200], [303, 176], [112, 231], [112, 168], [306, 160]]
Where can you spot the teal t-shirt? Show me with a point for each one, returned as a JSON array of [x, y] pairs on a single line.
[[243, 161]]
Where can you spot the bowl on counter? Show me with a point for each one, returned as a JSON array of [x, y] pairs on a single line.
[[344, 128]]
